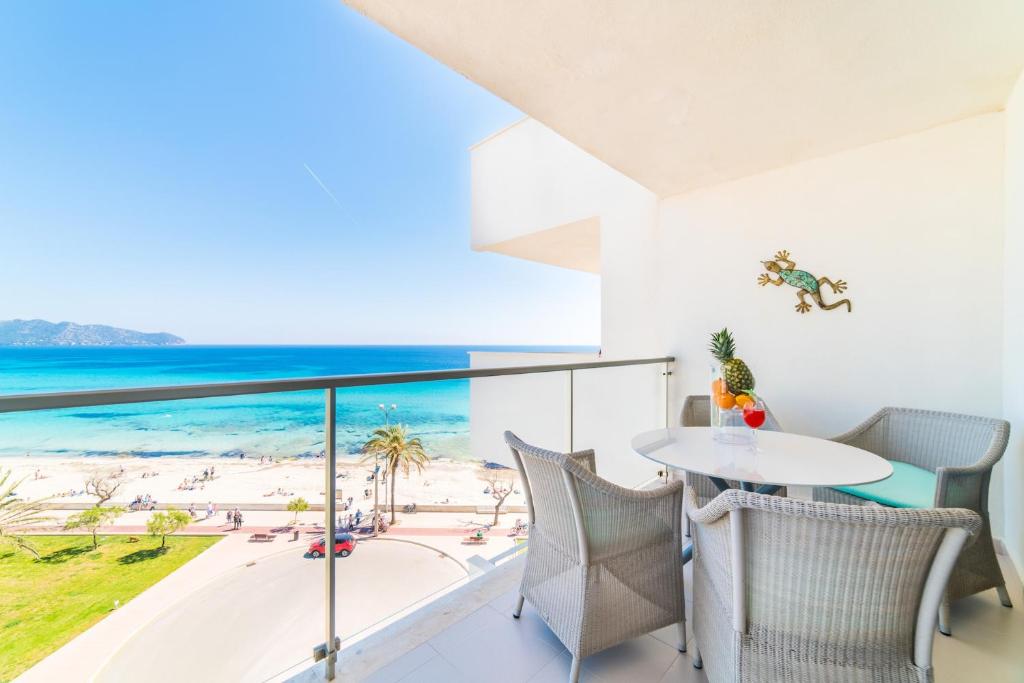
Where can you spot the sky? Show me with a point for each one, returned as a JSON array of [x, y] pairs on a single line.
[[253, 173]]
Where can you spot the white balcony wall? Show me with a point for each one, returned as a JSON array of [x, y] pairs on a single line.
[[914, 225], [532, 185], [1013, 312], [535, 406], [611, 406], [527, 178], [608, 406]]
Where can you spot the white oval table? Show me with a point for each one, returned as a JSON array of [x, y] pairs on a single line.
[[778, 459]]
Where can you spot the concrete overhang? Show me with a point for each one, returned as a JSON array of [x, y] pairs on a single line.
[[574, 245]]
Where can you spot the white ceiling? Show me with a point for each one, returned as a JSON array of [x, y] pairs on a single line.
[[679, 94]]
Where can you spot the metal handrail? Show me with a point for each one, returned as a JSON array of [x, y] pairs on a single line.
[[102, 397]]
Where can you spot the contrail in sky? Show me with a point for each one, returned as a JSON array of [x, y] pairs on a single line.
[[322, 186]]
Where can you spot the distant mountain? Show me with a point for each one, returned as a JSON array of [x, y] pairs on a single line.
[[45, 333]]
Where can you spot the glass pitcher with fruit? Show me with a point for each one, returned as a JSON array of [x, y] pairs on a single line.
[[731, 386]]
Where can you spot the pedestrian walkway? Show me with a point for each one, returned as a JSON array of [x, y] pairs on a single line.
[[226, 529]]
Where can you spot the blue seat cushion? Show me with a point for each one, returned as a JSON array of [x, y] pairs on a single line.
[[908, 487]]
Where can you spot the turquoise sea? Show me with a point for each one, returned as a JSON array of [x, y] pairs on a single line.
[[281, 425]]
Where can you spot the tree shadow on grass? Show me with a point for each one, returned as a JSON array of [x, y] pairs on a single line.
[[64, 554], [142, 555]]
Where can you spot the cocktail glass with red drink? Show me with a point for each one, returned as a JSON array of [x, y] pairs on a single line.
[[754, 414]]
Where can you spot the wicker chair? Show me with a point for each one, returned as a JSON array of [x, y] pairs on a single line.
[[604, 563], [785, 590], [961, 450], [697, 413]]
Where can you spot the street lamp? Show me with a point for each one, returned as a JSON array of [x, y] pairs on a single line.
[[387, 412], [376, 470]]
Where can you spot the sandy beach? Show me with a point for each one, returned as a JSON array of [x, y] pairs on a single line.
[[248, 481]]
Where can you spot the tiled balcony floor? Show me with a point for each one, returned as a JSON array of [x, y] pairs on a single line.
[[473, 638]]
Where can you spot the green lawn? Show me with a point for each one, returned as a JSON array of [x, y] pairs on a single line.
[[45, 603]]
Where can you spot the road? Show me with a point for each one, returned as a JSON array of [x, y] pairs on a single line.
[[256, 621]]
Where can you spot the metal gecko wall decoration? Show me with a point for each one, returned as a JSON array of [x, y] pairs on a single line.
[[805, 283]]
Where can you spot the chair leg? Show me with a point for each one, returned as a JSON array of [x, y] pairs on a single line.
[[518, 611], [944, 619], [681, 646], [698, 663], [574, 672], [1004, 596]]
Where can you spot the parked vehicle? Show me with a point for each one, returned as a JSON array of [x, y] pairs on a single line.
[[344, 544]]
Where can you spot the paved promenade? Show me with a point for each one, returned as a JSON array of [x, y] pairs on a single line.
[[310, 524], [238, 573]]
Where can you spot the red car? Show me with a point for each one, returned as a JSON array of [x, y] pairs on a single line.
[[344, 544]]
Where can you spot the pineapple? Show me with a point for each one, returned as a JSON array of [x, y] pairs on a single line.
[[738, 378]]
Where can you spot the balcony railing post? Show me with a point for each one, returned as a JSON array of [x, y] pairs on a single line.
[[572, 415], [330, 482], [668, 402], [668, 407]]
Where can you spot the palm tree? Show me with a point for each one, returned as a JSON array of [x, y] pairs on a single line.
[[392, 442], [297, 505], [17, 514]]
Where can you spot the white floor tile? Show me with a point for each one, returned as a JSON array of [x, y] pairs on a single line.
[[403, 666], [438, 670], [670, 635], [557, 671], [682, 671], [987, 642], [451, 639], [641, 659], [506, 602], [487, 646], [531, 624]]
